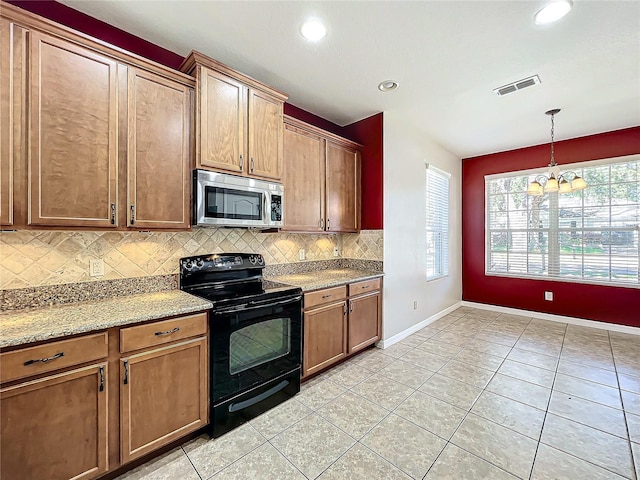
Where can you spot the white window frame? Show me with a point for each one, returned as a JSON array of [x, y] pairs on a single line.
[[558, 278], [437, 223]]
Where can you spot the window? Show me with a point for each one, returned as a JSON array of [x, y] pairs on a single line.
[[437, 223], [588, 236]]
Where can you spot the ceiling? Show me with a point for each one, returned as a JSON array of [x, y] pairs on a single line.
[[447, 56]]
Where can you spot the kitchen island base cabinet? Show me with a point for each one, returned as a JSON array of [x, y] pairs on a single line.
[[325, 336], [55, 428]]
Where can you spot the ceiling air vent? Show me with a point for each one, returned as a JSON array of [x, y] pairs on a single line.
[[515, 86]]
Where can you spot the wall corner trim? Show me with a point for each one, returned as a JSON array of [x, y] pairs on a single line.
[[614, 327], [386, 343]]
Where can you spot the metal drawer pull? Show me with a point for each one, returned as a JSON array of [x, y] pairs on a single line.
[[169, 332], [327, 296], [126, 372], [365, 287], [101, 379], [44, 360]]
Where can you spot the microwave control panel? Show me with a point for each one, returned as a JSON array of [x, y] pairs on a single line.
[[276, 208]]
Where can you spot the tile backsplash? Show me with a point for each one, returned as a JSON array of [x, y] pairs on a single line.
[[37, 258]]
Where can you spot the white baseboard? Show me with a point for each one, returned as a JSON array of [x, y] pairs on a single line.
[[387, 342], [614, 327]]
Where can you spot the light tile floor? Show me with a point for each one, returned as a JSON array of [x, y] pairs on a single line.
[[475, 395]]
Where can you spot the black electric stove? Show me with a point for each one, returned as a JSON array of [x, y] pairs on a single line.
[[255, 335]]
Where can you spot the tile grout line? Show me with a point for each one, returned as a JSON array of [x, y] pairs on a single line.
[[469, 411], [624, 411], [546, 411]]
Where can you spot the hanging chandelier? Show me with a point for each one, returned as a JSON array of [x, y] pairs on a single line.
[[554, 181]]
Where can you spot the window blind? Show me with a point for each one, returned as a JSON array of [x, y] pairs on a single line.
[[588, 236], [437, 223]]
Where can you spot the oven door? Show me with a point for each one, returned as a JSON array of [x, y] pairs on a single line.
[[254, 343]]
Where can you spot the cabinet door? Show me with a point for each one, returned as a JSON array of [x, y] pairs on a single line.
[[158, 152], [222, 107], [325, 337], [343, 188], [265, 135], [55, 427], [163, 396], [6, 122], [303, 181], [73, 131], [364, 321]]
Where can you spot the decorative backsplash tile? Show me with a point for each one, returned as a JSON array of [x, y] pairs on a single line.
[[37, 258], [366, 245]]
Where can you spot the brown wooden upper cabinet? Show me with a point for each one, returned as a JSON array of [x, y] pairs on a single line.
[[92, 137], [158, 152], [6, 146], [73, 154], [239, 125], [321, 179]]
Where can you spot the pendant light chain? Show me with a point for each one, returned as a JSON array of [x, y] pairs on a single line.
[[553, 160]]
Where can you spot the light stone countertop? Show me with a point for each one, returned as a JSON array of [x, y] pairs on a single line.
[[34, 325], [326, 278]]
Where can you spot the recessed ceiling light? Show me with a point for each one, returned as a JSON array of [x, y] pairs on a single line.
[[313, 30], [553, 11], [387, 86]]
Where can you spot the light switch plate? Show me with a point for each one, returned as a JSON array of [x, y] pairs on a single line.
[[301, 254], [548, 296]]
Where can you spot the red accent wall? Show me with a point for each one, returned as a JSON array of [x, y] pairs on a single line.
[[369, 132], [97, 28], [595, 302]]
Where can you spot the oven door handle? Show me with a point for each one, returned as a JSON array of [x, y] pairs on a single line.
[[253, 305]]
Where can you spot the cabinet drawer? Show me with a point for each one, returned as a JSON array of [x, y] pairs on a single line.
[[158, 333], [52, 356], [364, 287], [324, 296]]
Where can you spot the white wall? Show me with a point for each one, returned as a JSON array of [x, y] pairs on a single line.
[[406, 148]]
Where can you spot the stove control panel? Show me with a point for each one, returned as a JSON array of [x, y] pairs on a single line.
[[222, 261]]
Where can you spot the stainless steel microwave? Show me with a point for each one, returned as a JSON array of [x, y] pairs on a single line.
[[224, 200]]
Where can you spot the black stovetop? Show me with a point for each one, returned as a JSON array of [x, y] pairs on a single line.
[[230, 278]]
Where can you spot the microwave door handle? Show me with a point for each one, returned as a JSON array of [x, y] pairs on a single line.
[[266, 203]]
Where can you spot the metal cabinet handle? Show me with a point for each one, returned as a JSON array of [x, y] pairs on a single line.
[[327, 296], [351, 306], [252, 165], [365, 287], [169, 332], [126, 372], [133, 214], [44, 360], [113, 213], [344, 309], [322, 223], [241, 162], [328, 224], [101, 388]]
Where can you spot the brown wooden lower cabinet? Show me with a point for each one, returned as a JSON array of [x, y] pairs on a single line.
[[55, 427], [336, 326], [55, 416], [364, 325], [325, 336], [163, 396]]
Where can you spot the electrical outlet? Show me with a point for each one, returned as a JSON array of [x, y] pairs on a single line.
[[301, 254], [336, 252], [548, 296], [96, 267], [415, 305]]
